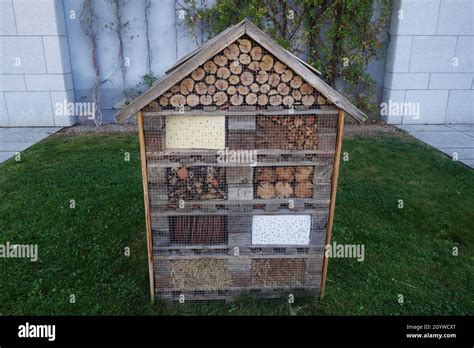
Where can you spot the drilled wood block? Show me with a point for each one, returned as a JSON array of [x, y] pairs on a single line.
[[195, 132]]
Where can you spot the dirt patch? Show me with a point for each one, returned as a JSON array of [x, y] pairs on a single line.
[[372, 129], [109, 128]]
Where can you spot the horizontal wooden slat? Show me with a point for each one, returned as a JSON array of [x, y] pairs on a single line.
[[328, 111], [157, 214]]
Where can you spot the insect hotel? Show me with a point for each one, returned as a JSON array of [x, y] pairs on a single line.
[[240, 144]]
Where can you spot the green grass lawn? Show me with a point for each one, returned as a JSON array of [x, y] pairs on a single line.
[[408, 251]]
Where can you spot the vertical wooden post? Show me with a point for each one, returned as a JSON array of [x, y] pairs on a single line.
[[335, 175], [149, 240]]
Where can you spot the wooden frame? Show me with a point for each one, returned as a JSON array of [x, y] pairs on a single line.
[[332, 205], [241, 130], [149, 237]]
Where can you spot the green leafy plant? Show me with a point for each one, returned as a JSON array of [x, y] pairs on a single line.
[[146, 81], [338, 37]]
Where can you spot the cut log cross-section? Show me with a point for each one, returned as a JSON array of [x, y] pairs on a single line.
[[234, 79], [279, 67], [205, 100], [244, 59], [220, 98], [243, 73], [198, 74], [251, 99], [232, 52], [287, 75], [262, 76], [262, 99], [210, 79], [221, 85], [177, 100], [236, 99], [223, 73], [236, 67], [186, 86], [192, 100], [256, 53], [201, 88], [164, 101], [245, 46], [210, 67], [266, 63], [254, 66], [246, 78], [220, 60]]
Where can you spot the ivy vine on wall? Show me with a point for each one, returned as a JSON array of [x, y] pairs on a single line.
[[338, 37], [91, 28]]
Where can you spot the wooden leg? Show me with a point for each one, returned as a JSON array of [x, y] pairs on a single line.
[[340, 130], [149, 241]]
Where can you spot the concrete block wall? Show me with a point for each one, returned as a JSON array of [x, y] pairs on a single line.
[[35, 69], [430, 61]]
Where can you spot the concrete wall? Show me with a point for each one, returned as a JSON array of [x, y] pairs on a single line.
[[35, 71], [431, 61], [169, 40]]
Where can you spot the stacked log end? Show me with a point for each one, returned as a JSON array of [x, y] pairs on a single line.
[[284, 182], [242, 74]]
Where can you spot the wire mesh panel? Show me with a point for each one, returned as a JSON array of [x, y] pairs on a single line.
[[240, 157], [197, 230], [226, 222]]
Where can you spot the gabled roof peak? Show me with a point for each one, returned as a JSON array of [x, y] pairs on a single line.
[[215, 45]]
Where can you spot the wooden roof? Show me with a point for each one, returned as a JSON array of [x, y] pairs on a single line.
[[193, 60]]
